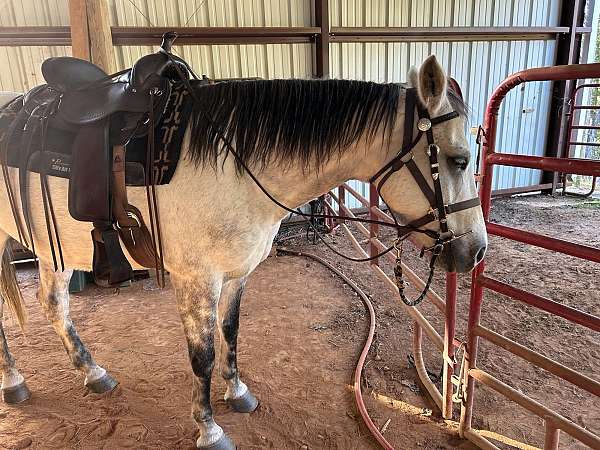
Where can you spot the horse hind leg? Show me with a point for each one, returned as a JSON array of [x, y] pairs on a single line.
[[238, 396], [13, 388], [53, 295]]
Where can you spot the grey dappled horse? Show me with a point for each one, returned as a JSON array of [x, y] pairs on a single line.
[[301, 138]]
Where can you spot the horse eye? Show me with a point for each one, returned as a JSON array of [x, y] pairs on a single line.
[[461, 163]]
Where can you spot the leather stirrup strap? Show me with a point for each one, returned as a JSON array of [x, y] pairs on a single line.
[[130, 222]]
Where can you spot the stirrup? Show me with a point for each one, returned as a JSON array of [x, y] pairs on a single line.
[[110, 267]]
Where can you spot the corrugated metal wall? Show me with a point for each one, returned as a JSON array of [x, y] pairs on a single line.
[[20, 66], [478, 66], [224, 61]]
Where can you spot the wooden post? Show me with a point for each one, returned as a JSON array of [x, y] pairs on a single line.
[[91, 36], [101, 47], [341, 202], [322, 47], [80, 39]]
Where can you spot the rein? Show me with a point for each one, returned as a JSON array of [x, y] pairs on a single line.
[[438, 210]]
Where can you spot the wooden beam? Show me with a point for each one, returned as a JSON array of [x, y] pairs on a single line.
[[323, 38], [214, 35], [52, 36], [446, 34], [101, 47], [80, 38]]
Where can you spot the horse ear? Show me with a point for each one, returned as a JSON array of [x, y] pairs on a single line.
[[413, 77], [432, 84]]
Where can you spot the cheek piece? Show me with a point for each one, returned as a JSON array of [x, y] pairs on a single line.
[[438, 209]]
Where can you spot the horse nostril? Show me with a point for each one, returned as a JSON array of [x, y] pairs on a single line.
[[480, 254]]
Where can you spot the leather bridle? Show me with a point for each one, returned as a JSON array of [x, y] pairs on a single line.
[[438, 210]]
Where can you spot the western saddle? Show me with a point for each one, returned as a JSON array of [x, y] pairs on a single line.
[[96, 115]]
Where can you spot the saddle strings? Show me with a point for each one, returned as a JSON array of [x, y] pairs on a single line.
[[50, 216]]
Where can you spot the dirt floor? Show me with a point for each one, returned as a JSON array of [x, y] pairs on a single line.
[[301, 332]]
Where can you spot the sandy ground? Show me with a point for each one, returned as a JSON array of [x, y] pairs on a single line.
[[300, 335]]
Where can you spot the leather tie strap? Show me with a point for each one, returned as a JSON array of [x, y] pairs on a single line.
[[461, 206]]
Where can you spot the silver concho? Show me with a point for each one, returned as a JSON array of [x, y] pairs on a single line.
[[424, 124]]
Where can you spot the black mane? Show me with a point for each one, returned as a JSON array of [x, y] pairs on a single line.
[[285, 121], [307, 121]]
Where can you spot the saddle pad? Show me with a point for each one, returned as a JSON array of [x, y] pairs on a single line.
[[168, 136]]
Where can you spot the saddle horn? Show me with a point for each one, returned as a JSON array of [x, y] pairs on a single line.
[[167, 41]]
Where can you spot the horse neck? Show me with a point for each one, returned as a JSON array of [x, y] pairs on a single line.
[[295, 186]]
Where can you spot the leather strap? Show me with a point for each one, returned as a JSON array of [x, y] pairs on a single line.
[[18, 122], [130, 222], [465, 204]]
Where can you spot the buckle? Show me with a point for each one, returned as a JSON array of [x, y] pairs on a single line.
[[138, 223], [433, 148], [433, 212]]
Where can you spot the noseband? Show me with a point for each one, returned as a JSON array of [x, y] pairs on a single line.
[[438, 209]]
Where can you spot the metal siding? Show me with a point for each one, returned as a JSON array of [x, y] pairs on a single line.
[[478, 66], [20, 13], [234, 61], [20, 66], [213, 13], [224, 61]]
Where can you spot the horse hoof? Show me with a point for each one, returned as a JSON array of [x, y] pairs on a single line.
[[103, 384], [224, 443], [247, 403], [16, 394]]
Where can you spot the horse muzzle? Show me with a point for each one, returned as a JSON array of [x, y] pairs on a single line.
[[462, 255]]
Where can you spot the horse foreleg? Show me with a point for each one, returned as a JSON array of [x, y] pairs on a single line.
[[197, 304], [53, 295], [237, 396]]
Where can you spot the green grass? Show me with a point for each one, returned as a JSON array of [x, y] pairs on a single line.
[[591, 203]]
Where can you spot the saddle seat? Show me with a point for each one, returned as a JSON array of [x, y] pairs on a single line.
[[89, 95], [66, 73]]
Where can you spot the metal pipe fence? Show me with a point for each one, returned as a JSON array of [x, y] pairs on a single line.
[[472, 374]]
